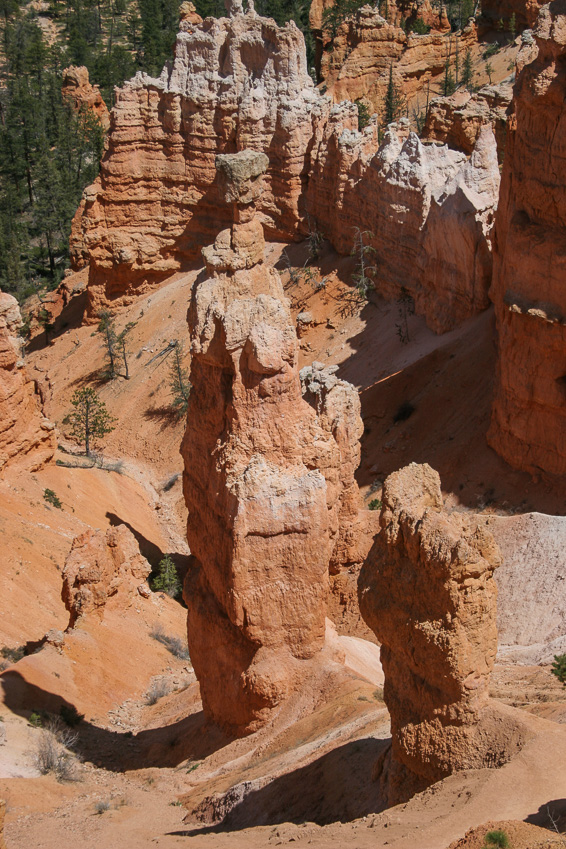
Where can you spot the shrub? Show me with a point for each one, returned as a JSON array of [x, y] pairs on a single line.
[[167, 579], [157, 689], [172, 644], [70, 715], [375, 504], [101, 807], [13, 655], [497, 838], [364, 115], [52, 753], [51, 497], [559, 668], [405, 410]]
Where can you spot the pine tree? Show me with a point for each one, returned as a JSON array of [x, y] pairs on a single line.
[[363, 275], [108, 331], [448, 85], [467, 70], [167, 579], [394, 101], [89, 420], [179, 383], [559, 668]]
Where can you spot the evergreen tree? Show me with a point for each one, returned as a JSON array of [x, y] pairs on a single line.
[[467, 70], [167, 579], [89, 420], [179, 383], [559, 668], [448, 84], [394, 101], [106, 328]]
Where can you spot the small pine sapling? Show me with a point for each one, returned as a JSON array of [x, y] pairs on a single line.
[[89, 420], [363, 275], [179, 383], [167, 579]]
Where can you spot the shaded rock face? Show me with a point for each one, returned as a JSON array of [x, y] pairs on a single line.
[[100, 566], [262, 481], [235, 82], [367, 45], [78, 91], [525, 11], [428, 593], [430, 210], [458, 120], [528, 427], [27, 438]]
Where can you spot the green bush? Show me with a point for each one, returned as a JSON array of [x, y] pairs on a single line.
[[51, 497], [559, 668], [497, 838], [375, 504], [167, 579]]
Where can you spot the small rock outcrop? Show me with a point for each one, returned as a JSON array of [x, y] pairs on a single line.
[[27, 438], [100, 566], [430, 210], [84, 97], [528, 427], [263, 481], [427, 591]]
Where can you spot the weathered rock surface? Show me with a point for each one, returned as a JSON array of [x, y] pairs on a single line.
[[427, 591], [430, 210], [102, 565], [82, 95], [2, 818], [262, 481], [235, 82], [27, 439], [528, 427], [367, 45], [525, 11], [457, 120]]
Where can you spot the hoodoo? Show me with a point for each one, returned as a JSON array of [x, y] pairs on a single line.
[[428, 593], [263, 480]]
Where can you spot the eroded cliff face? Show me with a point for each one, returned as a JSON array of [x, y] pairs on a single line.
[[242, 81], [103, 565], [235, 82], [457, 120], [528, 427], [27, 439], [430, 210], [428, 593], [367, 45], [263, 481]]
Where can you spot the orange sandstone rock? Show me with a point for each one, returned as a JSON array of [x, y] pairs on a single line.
[[428, 593], [27, 439], [2, 818], [103, 565], [262, 479], [528, 427], [457, 120], [235, 82], [78, 91], [430, 210]]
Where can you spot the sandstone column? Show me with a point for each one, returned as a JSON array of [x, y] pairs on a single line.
[[428, 593], [262, 477]]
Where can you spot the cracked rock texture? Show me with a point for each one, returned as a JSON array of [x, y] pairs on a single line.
[[78, 90], [27, 438], [430, 210], [528, 427], [263, 481], [427, 591], [100, 566]]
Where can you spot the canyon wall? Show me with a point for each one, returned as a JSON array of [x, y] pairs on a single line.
[[528, 427], [429, 211], [427, 591], [267, 495], [77, 90], [242, 81], [27, 439], [367, 45]]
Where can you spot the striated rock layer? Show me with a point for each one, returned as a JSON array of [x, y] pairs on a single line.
[[428, 593], [528, 427], [367, 45], [429, 211], [102, 565], [242, 81], [27, 439], [267, 497], [235, 82]]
